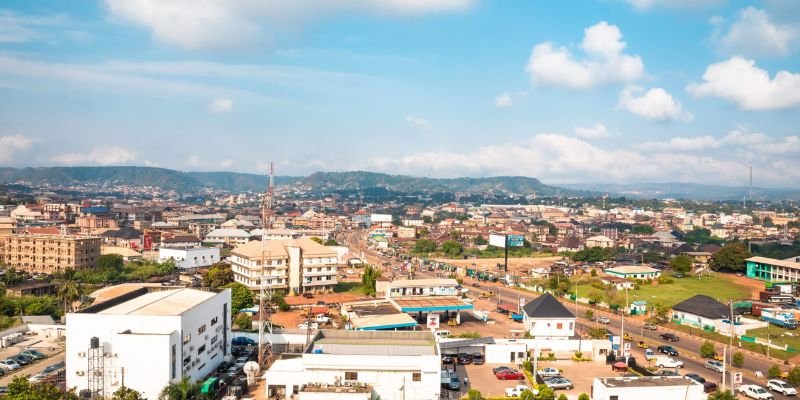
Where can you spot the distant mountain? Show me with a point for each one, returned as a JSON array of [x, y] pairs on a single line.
[[352, 180], [688, 191]]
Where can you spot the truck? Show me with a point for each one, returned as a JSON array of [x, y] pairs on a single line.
[[755, 392], [450, 380], [516, 391], [779, 317]]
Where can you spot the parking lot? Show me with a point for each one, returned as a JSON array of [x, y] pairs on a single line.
[[52, 348]]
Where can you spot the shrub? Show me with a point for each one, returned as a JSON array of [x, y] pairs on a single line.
[[774, 371], [663, 280], [794, 376], [707, 349], [562, 396], [474, 394], [584, 396], [578, 355], [738, 359]]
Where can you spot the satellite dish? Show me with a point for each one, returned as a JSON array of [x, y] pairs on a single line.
[[251, 368]]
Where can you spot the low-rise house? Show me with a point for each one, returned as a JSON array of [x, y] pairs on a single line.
[[546, 317], [633, 272]]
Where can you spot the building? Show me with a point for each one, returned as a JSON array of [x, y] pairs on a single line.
[[190, 257], [7, 226], [701, 257], [422, 287], [296, 266], [773, 270], [599, 241], [406, 232], [151, 338], [127, 254], [228, 237], [633, 272], [643, 387], [179, 241], [91, 222], [546, 317], [49, 253], [704, 312], [385, 365]]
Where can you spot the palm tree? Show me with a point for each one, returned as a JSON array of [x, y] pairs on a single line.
[[70, 290], [183, 390]]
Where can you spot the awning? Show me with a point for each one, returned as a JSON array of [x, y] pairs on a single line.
[[508, 307]]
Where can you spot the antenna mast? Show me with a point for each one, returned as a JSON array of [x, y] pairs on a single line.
[[265, 293]]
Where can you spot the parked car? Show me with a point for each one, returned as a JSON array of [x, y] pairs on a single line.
[[223, 366], [777, 385], [755, 392], [559, 383], [476, 284], [495, 370], [714, 365], [516, 391], [667, 362], [35, 354], [9, 364], [54, 368], [40, 377], [603, 320], [709, 387], [642, 345], [650, 326], [627, 336], [448, 359], [666, 372], [649, 354], [464, 358], [670, 337], [21, 360], [477, 359], [696, 377], [509, 374], [549, 371], [243, 341], [668, 350], [306, 325]]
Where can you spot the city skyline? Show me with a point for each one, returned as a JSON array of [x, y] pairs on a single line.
[[607, 91]]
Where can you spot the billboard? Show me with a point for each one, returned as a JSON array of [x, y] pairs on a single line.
[[516, 240], [497, 240], [433, 321]]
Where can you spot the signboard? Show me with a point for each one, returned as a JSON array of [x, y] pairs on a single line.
[[521, 301], [626, 349], [736, 379], [516, 240], [615, 342], [148, 242], [433, 321], [497, 240]]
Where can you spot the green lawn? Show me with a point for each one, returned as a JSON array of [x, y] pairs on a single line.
[[347, 287], [673, 293], [778, 336]]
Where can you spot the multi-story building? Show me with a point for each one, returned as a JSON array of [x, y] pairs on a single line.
[[773, 270], [190, 257], [147, 340], [49, 253], [297, 266], [91, 222], [228, 237]]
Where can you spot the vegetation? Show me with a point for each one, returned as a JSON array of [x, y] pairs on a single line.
[[730, 258], [474, 394], [368, 280], [111, 270], [584, 396], [241, 296], [219, 274], [70, 290], [597, 332], [774, 371], [331, 242], [738, 359], [726, 395], [707, 349], [452, 248], [280, 302], [776, 250], [681, 263], [423, 246], [545, 393], [124, 393], [183, 390], [243, 321], [21, 389], [316, 239], [643, 230], [468, 335], [794, 376], [595, 254], [701, 236], [12, 277], [562, 396]]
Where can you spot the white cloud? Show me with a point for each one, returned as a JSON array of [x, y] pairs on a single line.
[[673, 4], [682, 144], [226, 163], [12, 145], [221, 105], [605, 61], [193, 161], [418, 122], [19, 28], [739, 81], [596, 131], [656, 104], [105, 155], [503, 101], [754, 34], [210, 25]]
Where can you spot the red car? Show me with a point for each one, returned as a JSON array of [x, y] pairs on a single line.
[[509, 374]]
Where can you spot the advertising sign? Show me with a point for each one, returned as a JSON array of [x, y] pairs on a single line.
[[497, 240], [615, 342], [433, 321], [516, 240], [148, 242], [736, 379]]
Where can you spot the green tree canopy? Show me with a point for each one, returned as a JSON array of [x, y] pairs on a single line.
[[452, 248], [681, 263], [183, 390], [241, 296], [726, 395], [643, 230], [125, 393], [220, 274], [368, 280], [316, 239], [424, 246], [331, 242], [243, 321], [110, 262], [701, 236], [481, 241], [21, 389], [730, 258], [707, 349]]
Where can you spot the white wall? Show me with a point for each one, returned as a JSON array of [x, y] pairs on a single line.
[[190, 258], [550, 327], [684, 389]]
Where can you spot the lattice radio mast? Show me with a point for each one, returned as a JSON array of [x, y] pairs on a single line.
[[265, 293]]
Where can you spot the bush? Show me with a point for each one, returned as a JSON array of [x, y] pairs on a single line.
[[663, 280], [774, 371], [593, 273], [584, 396], [794, 376], [589, 314], [578, 355], [545, 393], [707, 349], [738, 359], [562, 396], [474, 394]]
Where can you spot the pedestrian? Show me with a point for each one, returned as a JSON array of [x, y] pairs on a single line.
[[466, 381]]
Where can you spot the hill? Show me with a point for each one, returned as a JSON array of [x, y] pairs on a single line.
[[689, 191]]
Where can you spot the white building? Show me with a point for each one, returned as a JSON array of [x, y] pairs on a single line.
[[644, 387], [191, 257], [546, 317], [599, 241], [153, 338], [422, 287], [392, 365], [228, 237], [299, 266]]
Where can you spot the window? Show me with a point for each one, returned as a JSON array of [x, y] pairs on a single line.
[[187, 338], [613, 397], [416, 376], [187, 360], [559, 326], [174, 360], [351, 376], [201, 350], [201, 329], [214, 320], [214, 339]]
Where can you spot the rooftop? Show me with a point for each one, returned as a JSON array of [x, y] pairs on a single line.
[[546, 306], [775, 262], [162, 303], [632, 269], [647, 381], [433, 282], [373, 343]]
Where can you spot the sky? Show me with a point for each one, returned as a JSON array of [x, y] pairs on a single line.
[[572, 91]]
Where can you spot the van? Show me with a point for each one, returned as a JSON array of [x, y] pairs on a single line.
[[442, 333]]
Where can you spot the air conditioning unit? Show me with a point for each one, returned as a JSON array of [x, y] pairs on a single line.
[[80, 373], [206, 337], [106, 355], [191, 348], [81, 354]]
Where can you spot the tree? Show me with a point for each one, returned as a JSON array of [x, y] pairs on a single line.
[[681, 263], [21, 389], [562, 396], [589, 314], [424, 246], [331, 242], [545, 393], [452, 248], [13, 277], [426, 219], [730, 258], [726, 395], [124, 393], [527, 394], [368, 280], [316, 239], [70, 291], [643, 229], [474, 394], [241, 296], [183, 390], [243, 321], [219, 274], [794, 376], [774, 371], [707, 349], [584, 396], [738, 359], [110, 262], [481, 241]]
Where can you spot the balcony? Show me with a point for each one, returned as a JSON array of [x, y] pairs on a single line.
[[311, 272], [319, 283]]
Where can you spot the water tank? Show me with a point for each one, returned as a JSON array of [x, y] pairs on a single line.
[[94, 342]]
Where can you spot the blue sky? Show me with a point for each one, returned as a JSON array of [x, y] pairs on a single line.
[[566, 91]]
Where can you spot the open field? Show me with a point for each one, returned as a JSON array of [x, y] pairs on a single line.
[[519, 266]]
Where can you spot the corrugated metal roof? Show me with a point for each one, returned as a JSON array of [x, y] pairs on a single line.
[[163, 303], [454, 344]]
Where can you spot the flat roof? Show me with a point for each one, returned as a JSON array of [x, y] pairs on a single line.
[[163, 303], [431, 303], [432, 282], [647, 381], [373, 343], [774, 261], [372, 309], [632, 269], [380, 322]]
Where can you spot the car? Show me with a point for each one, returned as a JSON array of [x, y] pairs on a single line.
[[495, 370], [670, 337], [649, 354], [240, 362], [784, 388], [666, 362], [35, 354], [678, 275], [3, 389], [9, 364], [559, 383], [308, 295], [549, 371], [755, 392], [509, 374], [709, 387], [448, 359], [476, 284], [40, 377], [666, 372], [668, 350], [696, 377], [516, 391], [22, 360], [243, 341], [714, 365], [306, 325], [642, 345], [223, 366], [55, 367], [477, 359], [627, 336], [464, 358], [603, 320], [650, 326], [232, 372]]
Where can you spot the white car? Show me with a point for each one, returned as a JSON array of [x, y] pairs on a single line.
[[777, 385], [305, 325], [516, 391], [549, 371], [603, 320], [755, 392], [37, 378], [667, 362], [649, 354], [714, 365], [9, 365], [321, 319]]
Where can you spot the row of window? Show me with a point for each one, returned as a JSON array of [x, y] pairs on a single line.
[[353, 376]]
